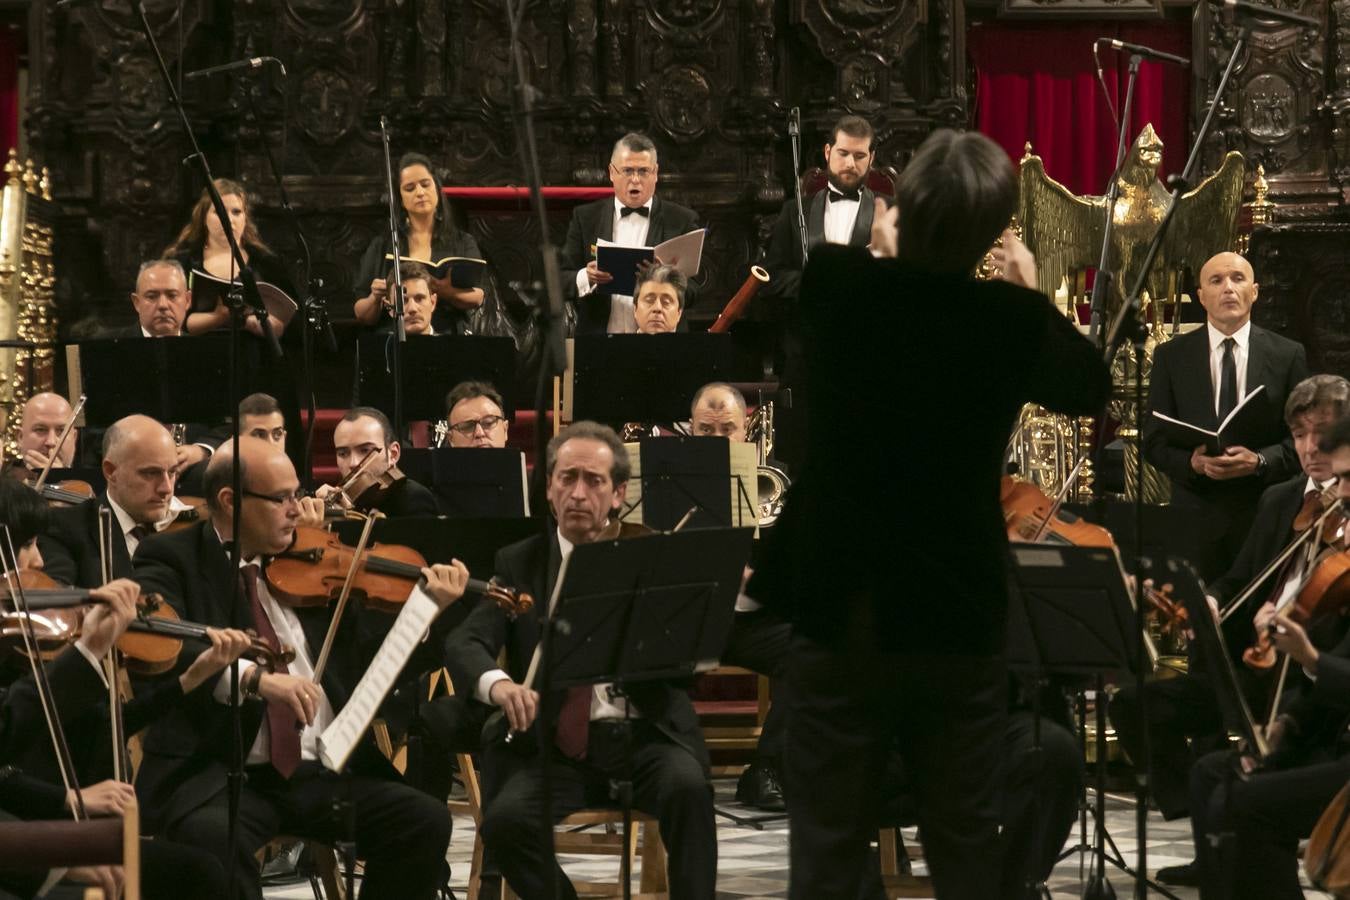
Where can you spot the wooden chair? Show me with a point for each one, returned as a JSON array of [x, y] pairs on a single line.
[[896, 874], [881, 180], [740, 737], [112, 841]]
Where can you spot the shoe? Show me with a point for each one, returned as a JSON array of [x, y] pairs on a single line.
[[758, 787], [284, 868], [1187, 875]]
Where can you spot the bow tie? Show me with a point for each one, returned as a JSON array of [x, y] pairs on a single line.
[[629, 210], [835, 194]]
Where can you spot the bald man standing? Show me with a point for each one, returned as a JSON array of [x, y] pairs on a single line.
[[44, 415], [140, 466], [1199, 377]]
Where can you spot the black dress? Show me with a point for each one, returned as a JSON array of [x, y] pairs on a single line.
[[447, 319]]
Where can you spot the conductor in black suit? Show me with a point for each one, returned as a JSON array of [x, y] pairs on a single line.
[[1199, 377], [1183, 713], [588, 472], [400, 832], [899, 603], [635, 217]]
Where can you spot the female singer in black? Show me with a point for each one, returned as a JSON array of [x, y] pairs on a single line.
[[426, 232]]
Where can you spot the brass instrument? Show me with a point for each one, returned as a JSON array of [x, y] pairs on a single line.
[[772, 481], [440, 430], [179, 432], [735, 307]]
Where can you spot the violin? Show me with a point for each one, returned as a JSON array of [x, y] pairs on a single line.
[[1327, 512], [1325, 592], [361, 489], [185, 518], [1031, 515], [315, 567]]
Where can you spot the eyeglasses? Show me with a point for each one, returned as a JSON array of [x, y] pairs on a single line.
[[469, 426], [631, 172], [279, 499]]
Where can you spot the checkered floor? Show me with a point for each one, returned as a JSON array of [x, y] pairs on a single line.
[[753, 863]]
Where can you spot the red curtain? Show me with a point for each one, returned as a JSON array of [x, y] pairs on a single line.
[[1038, 83], [9, 91]]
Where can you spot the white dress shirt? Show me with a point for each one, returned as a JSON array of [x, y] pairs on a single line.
[[127, 524], [287, 626], [840, 216], [602, 705], [630, 231], [1241, 353]]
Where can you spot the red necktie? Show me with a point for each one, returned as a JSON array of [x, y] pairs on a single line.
[[284, 750], [574, 722]]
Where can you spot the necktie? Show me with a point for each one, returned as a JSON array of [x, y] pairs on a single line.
[[284, 748], [630, 210], [574, 722], [141, 532], [1227, 380], [836, 194]]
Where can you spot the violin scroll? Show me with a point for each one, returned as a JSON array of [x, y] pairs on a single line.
[[512, 601]]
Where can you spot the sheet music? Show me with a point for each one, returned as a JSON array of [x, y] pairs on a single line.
[[340, 738]]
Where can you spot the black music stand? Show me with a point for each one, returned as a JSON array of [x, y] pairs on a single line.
[[471, 481], [681, 473], [182, 379], [651, 608], [1072, 613], [620, 378], [432, 365]]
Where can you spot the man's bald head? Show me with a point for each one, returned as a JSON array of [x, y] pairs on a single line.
[[268, 507], [140, 465], [44, 415], [718, 409], [1228, 290], [256, 456]]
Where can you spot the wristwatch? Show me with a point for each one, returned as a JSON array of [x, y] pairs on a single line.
[[1261, 464]]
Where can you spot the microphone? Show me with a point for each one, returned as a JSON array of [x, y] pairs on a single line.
[[1256, 10], [1141, 50], [795, 121], [256, 62]]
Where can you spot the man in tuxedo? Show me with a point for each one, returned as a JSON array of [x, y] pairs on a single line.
[[473, 413], [44, 415], [260, 417], [140, 466], [161, 301], [840, 214], [1199, 378], [660, 300], [1184, 719], [588, 472], [365, 430], [915, 665], [635, 217], [401, 833]]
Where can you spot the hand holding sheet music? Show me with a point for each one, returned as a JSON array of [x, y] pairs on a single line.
[[1245, 416], [621, 262]]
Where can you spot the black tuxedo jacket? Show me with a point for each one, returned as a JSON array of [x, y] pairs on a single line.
[[122, 331], [473, 647], [70, 546], [1181, 386], [1271, 532], [409, 498], [594, 220], [917, 532], [187, 751], [783, 259]]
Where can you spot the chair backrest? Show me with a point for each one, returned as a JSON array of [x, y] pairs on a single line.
[[112, 841], [881, 179]]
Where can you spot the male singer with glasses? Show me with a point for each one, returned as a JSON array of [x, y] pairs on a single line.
[[1200, 377], [634, 217]]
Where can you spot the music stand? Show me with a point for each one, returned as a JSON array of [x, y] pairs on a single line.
[[432, 365], [1072, 613], [651, 608], [182, 379], [620, 378], [679, 473], [471, 481]]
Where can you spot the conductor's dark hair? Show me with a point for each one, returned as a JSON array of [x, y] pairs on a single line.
[[593, 431], [471, 390], [370, 412], [23, 511], [956, 196], [1337, 436], [853, 126]]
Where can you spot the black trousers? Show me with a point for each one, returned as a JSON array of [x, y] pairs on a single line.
[[760, 642], [1182, 712], [401, 833], [668, 783], [851, 703], [1261, 819]]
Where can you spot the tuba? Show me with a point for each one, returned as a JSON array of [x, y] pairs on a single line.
[[772, 481]]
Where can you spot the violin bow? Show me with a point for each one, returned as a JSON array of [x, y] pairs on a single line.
[[1060, 496], [9, 568], [355, 474], [345, 595], [1316, 527], [60, 441], [112, 663]]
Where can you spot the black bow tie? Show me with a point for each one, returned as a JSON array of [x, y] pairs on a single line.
[[836, 194], [640, 210]]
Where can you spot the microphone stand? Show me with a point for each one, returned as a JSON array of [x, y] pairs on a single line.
[[1129, 325], [400, 334], [795, 138], [551, 323]]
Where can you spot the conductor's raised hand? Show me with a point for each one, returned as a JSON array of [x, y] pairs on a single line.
[[518, 703], [885, 229]]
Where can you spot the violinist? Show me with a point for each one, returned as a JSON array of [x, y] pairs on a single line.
[[363, 431], [260, 416], [1182, 712], [30, 781], [1261, 816], [474, 416], [44, 417], [141, 467], [588, 472], [401, 833]]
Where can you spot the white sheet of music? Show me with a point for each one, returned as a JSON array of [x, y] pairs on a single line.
[[341, 737]]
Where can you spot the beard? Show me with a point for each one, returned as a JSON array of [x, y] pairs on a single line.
[[839, 184]]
